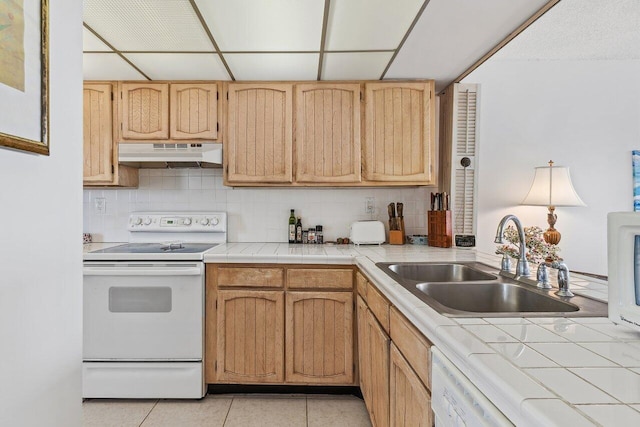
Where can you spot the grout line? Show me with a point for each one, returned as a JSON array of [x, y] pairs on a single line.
[[306, 409], [226, 417], [149, 413]]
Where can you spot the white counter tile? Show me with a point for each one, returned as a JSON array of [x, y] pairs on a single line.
[[577, 333], [569, 386], [621, 353], [570, 354], [621, 383], [507, 320], [523, 356], [588, 320], [531, 333], [463, 342], [470, 321], [549, 320], [612, 415], [489, 333], [549, 412], [620, 332]]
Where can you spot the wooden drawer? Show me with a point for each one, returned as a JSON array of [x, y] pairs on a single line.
[[361, 284], [379, 306], [412, 344], [251, 277], [320, 278]]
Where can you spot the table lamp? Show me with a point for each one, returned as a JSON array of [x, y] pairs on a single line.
[[552, 187]]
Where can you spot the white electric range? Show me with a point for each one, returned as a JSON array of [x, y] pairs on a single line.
[[143, 308]]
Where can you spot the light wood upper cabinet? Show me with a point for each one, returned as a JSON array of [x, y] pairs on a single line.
[[399, 132], [193, 111], [100, 149], [410, 401], [259, 133], [145, 110], [319, 337], [327, 133], [97, 132], [250, 336]]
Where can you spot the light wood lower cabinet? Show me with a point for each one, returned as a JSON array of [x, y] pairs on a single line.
[[319, 337], [410, 401], [250, 336], [279, 324], [394, 367]]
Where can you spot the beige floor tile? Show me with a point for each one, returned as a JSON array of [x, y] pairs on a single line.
[[115, 413], [337, 411], [210, 412], [265, 412]]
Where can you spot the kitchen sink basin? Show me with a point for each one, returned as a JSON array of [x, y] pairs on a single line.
[[444, 272], [496, 297], [473, 289]]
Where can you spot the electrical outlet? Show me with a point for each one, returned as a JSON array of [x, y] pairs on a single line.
[[369, 205], [100, 205]]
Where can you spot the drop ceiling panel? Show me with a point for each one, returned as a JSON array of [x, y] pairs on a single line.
[[147, 25], [107, 66], [180, 66], [354, 65], [273, 66], [369, 24], [92, 43], [452, 34], [274, 25]]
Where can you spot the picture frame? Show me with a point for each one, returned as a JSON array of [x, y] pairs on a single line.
[[24, 82]]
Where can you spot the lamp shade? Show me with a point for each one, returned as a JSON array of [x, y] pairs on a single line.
[[552, 187]]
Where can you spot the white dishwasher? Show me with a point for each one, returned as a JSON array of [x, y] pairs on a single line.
[[456, 401]]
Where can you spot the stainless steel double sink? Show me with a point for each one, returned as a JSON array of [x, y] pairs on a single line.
[[473, 289]]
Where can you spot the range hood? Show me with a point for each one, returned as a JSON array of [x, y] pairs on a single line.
[[160, 155]]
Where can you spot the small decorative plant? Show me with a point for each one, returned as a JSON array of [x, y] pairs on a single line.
[[537, 249]]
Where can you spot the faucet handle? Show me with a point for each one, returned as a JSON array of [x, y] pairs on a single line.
[[563, 280], [542, 276], [506, 263]]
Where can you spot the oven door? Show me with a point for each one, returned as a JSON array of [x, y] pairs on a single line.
[[143, 311]]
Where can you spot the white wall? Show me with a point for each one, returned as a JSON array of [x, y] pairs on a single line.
[[41, 253], [581, 114], [255, 214]]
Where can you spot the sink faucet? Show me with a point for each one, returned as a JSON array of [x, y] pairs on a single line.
[[522, 268], [563, 279]]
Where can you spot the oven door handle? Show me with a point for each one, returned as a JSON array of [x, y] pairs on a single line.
[[149, 271]]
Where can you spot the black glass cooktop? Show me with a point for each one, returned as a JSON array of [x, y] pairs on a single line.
[[157, 248]]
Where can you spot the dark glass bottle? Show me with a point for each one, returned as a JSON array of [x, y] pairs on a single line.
[[292, 227], [299, 231]]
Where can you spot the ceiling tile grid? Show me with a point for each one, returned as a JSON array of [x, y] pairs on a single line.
[[296, 39]]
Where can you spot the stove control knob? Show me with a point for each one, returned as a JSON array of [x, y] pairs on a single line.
[[187, 221], [138, 221], [147, 221], [215, 220], [205, 221]]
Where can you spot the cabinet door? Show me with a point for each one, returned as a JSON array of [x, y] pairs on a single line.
[[194, 111], [410, 400], [319, 337], [364, 367], [97, 133], [145, 110], [250, 336], [328, 132], [378, 353], [259, 133], [399, 136]]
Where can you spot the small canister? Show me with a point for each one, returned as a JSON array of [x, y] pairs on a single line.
[[319, 235], [311, 236], [305, 236]]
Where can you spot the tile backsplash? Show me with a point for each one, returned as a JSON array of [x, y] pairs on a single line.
[[254, 214]]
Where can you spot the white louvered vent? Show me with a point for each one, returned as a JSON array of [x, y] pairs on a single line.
[[465, 144]]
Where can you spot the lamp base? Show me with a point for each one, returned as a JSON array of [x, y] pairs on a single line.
[[551, 236]]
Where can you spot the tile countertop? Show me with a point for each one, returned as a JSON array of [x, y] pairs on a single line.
[[537, 371]]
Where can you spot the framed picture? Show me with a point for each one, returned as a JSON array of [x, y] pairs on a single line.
[[24, 75], [635, 163]]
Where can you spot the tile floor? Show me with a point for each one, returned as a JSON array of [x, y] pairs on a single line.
[[228, 410]]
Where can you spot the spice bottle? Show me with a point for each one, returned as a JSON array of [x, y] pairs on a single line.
[[299, 231], [311, 236], [319, 235], [292, 227]]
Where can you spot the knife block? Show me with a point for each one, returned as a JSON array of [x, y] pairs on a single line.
[[396, 237], [439, 229]]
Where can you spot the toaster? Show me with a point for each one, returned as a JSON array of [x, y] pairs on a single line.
[[367, 233]]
